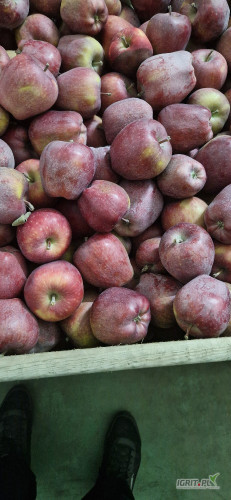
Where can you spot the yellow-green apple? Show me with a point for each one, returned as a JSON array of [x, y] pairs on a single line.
[[202, 307], [7, 234], [66, 169], [186, 251], [54, 290], [45, 52], [209, 18], [37, 27], [146, 203], [4, 58], [95, 133], [4, 120], [56, 126], [36, 194], [84, 16], [17, 138], [216, 102], [189, 125], [168, 32], [103, 170], [50, 8], [148, 8], [120, 316], [79, 90], [128, 49], [26, 87], [121, 113], [114, 7], [6, 155], [223, 46], [115, 87], [77, 326], [13, 13], [13, 195], [112, 26], [218, 216], [141, 150], [210, 68], [183, 177], [79, 226], [45, 236], [50, 336], [190, 210], [147, 256], [19, 328], [130, 15], [81, 50], [13, 272], [152, 231], [103, 261], [166, 78], [222, 262], [160, 291], [103, 204], [215, 156]]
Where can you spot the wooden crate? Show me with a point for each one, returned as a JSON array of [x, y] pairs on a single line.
[[107, 359]]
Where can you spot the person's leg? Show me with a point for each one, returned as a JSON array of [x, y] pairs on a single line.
[[121, 461], [17, 481]]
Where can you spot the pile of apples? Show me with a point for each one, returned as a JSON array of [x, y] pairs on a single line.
[[115, 172]]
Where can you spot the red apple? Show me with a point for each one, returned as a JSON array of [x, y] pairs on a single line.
[[222, 262], [54, 290], [13, 13], [45, 52], [147, 256], [210, 68], [183, 177], [13, 272], [17, 138], [36, 195], [95, 133], [110, 28], [218, 216], [50, 336], [209, 19], [215, 156], [19, 328], [6, 155], [152, 231], [168, 32], [81, 50], [13, 195], [7, 234], [148, 8], [79, 226], [37, 27], [120, 316], [84, 16], [114, 7], [115, 87], [48, 7], [190, 210], [103, 170]]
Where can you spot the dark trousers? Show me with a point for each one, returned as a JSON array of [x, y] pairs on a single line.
[[18, 482]]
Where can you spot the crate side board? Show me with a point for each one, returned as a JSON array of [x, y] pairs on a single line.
[[114, 358]]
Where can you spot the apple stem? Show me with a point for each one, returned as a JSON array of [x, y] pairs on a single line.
[[208, 56], [170, 9], [188, 332], [46, 67], [144, 269], [194, 5], [21, 220], [124, 41], [137, 319], [168, 138], [105, 93], [29, 205], [132, 85], [140, 94], [18, 51], [217, 274], [28, 178], [48, 242], [53, 300], [127, 221]]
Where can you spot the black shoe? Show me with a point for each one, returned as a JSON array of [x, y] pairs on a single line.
[[16, 423], [122, 449]]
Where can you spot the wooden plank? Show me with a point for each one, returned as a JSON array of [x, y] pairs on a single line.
[[104, 359]]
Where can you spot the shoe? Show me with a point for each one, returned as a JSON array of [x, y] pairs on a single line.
[[16, 423], [122, 449]]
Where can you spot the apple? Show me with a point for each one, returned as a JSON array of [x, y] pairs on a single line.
[[221, 269], [54, 290], [166, 78], [26, 87], [209, 19], [120, 316], [183, 177], [148, 8], [95, 133], [216, 102], [190, 210], [129, 15], [147, 256], [103, 261], [4, 58], [128, 49], [193, 126], [13, 13], [79, 226], [81, 50], [218, 216], [153, 231], [103, 170], [19, 328], [7, 234], [13, 272], [13, 195], [210, 68], [56, 126], [223, 45], [215, 156], [137, 159], [37, 27], [114, 7], [45, 52], [186, 251], [17, 138], [66, 169], [79, 90], [112, 26], [121, 113], [6, 155], [168, 32], [146, 204], [48, 7], [84, 16], [50, 336], [115, 87], [160, 291], [36, 194], [45, 236], [202, 307]]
